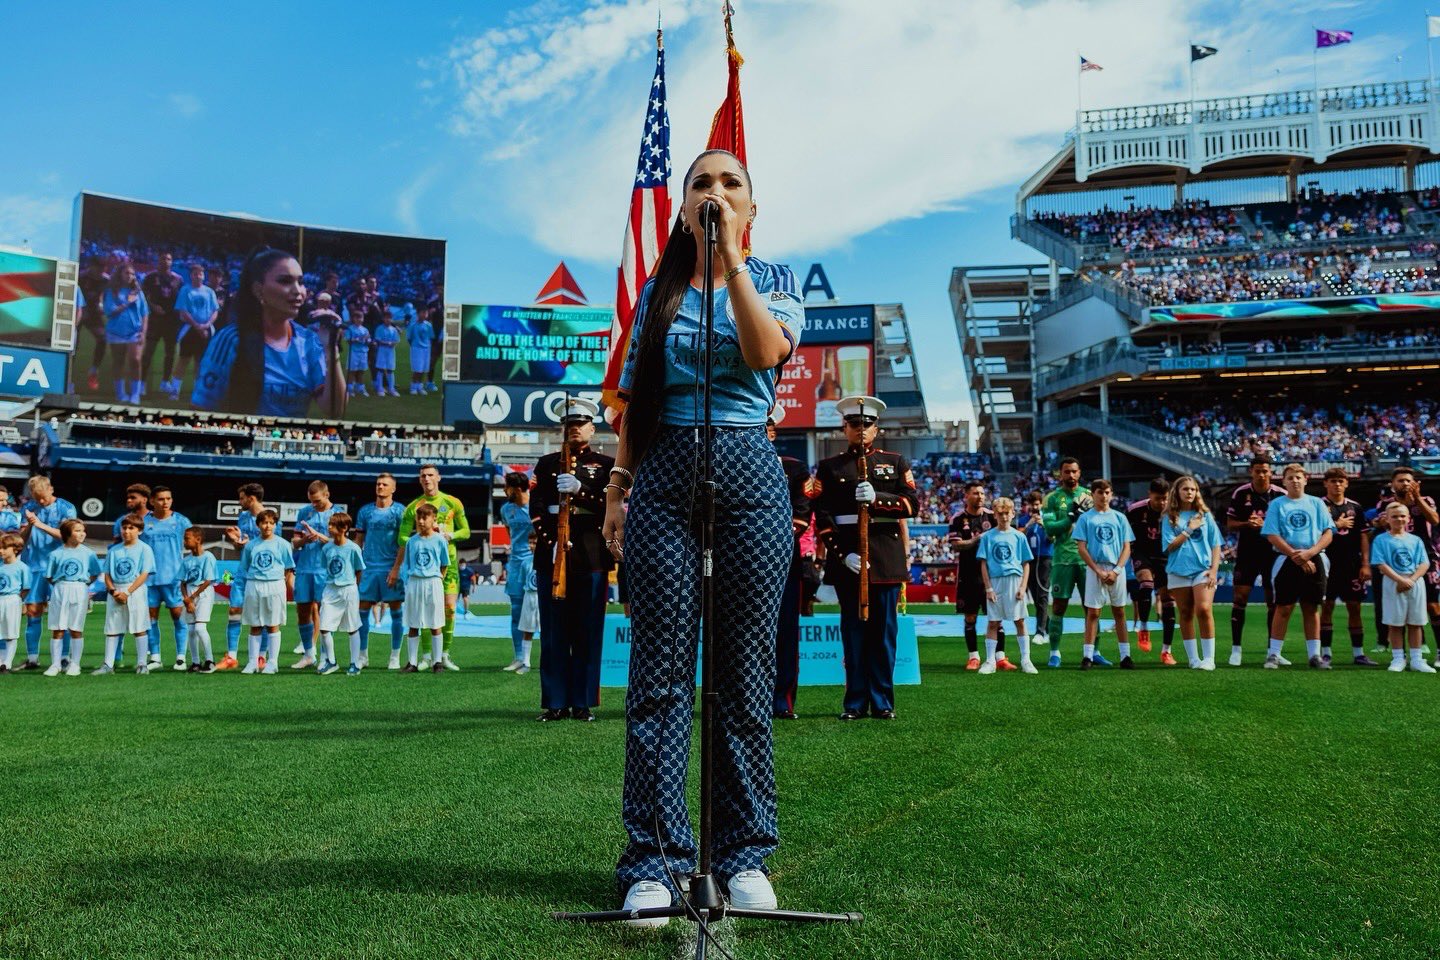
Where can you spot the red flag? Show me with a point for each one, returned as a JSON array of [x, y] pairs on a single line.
[[646, 229], [727, 130]]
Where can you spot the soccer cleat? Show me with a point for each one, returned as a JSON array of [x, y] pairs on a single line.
[[1028, 667], [424, 662], [582, 714], [1085, 663], [851, 715], [1319, 663], [104, 670], [751, 890], [92, 382], [783, 715], [353, 670], [1327, 658], [647, 895], [1100, 660], [53, 670], [512, 666], [1004, 664], [1143, 641], [883, 714], [394, 662], [28, 665], [179, 666], [1207, 664], [299, 649], [1283, 661], [227, 662], [208, 667], [364, 660], [973, 663], [985, 669], [1054, 660], [1364, 661], [409, 668], [73, 670], [1396, 666], [261, 661], [155, 661], [438, 667], [271, 669], [524, 669], [1126, 663], [1234, 657], [1272, 662], [329, 668], [303, 662], [1420, 666], [550, 715], [194, 667], [142, 670], [1167, 658], [447, 662], [251, 668]]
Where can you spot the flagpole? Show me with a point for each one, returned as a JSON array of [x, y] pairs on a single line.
[[1079, 105], [1429, 56]]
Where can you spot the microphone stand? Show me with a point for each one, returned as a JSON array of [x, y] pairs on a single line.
[[702, 903]]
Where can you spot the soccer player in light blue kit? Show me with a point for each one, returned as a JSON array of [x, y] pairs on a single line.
[[1103, 537], [198, 574], [14, 581], [165, 533], [427, 554], [358, 339], [1299, 527], [73, 568], [340, 600], [386, 335], [309, 537], [43, 513], [251, 497], [377, 529], [268, 563], [127, 566], [420, 334]]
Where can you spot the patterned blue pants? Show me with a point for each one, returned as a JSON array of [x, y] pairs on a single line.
[[753, 547]]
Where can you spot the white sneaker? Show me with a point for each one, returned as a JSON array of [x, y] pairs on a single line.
[[1234, 657], [1027, 667], [301, 664], [449, 664], [364, 661], [271, 668], [751, 890], [1273, 662], [1195, 664], [987, 667], [73, 670], [143, 670], [424, 663], [512, 666], [523, 669], [1420, 666], [394, 662], [179, 665], [1397, 666], [53, 670], [299, 649], [1283, 661], [1207, 664], [647, 894], [250, 668], [1041, 639], [155, 661]]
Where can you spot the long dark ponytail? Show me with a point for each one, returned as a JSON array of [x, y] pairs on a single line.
[[247, 373], [667, 290]]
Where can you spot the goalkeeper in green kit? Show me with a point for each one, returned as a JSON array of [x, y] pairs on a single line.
[[1062, 508]]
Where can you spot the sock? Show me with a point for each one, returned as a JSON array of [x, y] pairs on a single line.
[[437, 647], [142, 648], [365, 630], [77, 647], [307, 637], [397, 632], [989, 650], [1312, 648], [201, 651], [182, 638], [327, 647], [273, 646], [152, 637], [255, 648], [355, 647], [414, 645], [972, 642], [1275, 646], [1207, 648], [1142, 606], [1327, 634], [1124, 650], [1024, 641], [55, 650], [525, 651], [1416, 656], [1088, 651], [448, 633], [111, 645], [1167, 623], [1357, 642], [1000, 639], [1190, 650], [232, 636], [1057, 631], [1237, 624], [32, 639], [7, 652], [1397, 654]]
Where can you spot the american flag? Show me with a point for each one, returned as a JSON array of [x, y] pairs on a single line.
[[1089, 65], [646, 229]]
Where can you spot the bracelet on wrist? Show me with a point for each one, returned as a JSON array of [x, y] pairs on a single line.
[[616, 486], [734, 272], [629, 477]]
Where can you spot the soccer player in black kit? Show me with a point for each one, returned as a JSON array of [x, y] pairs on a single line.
[[966, 528], [1254, 557], [1148, 559], [1349, 554]]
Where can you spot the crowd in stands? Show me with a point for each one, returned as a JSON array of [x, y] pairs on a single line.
[[1318, 215], [1395, 339], [1217, 280], [1192, 226]]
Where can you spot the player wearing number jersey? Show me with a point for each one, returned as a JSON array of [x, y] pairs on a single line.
[[1349, 554], [1254, 556], [377, 529], [165, 533], [451, 524]]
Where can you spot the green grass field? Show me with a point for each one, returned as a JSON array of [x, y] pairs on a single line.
[[1161, 813]]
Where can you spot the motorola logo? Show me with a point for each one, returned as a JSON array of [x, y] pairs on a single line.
[[490, 404]]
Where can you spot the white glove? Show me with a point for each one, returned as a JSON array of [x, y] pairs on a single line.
[[865, 492], [567, 483], [852, 560]]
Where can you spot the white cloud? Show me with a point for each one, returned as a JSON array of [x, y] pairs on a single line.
[[187, 105], [34, 221], [408, 199]]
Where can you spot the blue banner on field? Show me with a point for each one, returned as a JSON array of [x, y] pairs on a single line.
[[822, 660], [31, 373]]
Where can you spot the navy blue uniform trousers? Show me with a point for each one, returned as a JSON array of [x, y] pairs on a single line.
[[753, 548], [869, 644], [571, 632]]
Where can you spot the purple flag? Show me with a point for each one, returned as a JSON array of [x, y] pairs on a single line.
[[1332, 38]]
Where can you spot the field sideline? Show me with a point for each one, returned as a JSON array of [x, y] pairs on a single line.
[[1159, 813]]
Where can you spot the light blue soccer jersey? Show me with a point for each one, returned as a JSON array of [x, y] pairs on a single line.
[[199, 302], [197, 570], [73, 565], [386, 336], [291, 376], [126, 325], [1005, 552], [1403, 554], [359, 340], [420, 334], [167, 539], [39, 544], [1298, 521], [10, 520], [426, 556], [1191, 558], [267, 560], [742, 397], [308, 560], [381, 526], [126, 564], [343, 563], [14, 579], [1104, 533]]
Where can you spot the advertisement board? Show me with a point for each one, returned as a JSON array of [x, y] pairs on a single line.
[[31, 373], [852, 324], [368, 299], [819, 375], [511, 405], [542, 345]]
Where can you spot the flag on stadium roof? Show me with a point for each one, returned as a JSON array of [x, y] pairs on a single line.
[[1433, 26], [561, 290], [1198, 51], [727, 130], [646, 228], [1089, 65], [1332, 38]]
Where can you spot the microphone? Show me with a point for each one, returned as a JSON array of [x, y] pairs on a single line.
[[709, 214]]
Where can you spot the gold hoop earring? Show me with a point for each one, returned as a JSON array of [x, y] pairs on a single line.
[[684, 226]]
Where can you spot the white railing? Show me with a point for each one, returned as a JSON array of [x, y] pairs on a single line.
[[388, 448], [280, 447]]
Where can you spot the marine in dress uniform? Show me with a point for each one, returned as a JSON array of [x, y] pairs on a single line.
[[572, 628], [888, 492], [801, 487]]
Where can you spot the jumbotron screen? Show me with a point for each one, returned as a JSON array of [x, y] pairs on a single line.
[[165, 323], [545, 345]]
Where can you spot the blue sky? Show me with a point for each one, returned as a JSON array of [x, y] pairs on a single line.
[[886, 140]]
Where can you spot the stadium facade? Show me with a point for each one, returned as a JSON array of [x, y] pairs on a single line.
[[1214, 271]]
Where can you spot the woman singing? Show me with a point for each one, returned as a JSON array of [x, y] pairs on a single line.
[[264, 362], [758, 318]]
